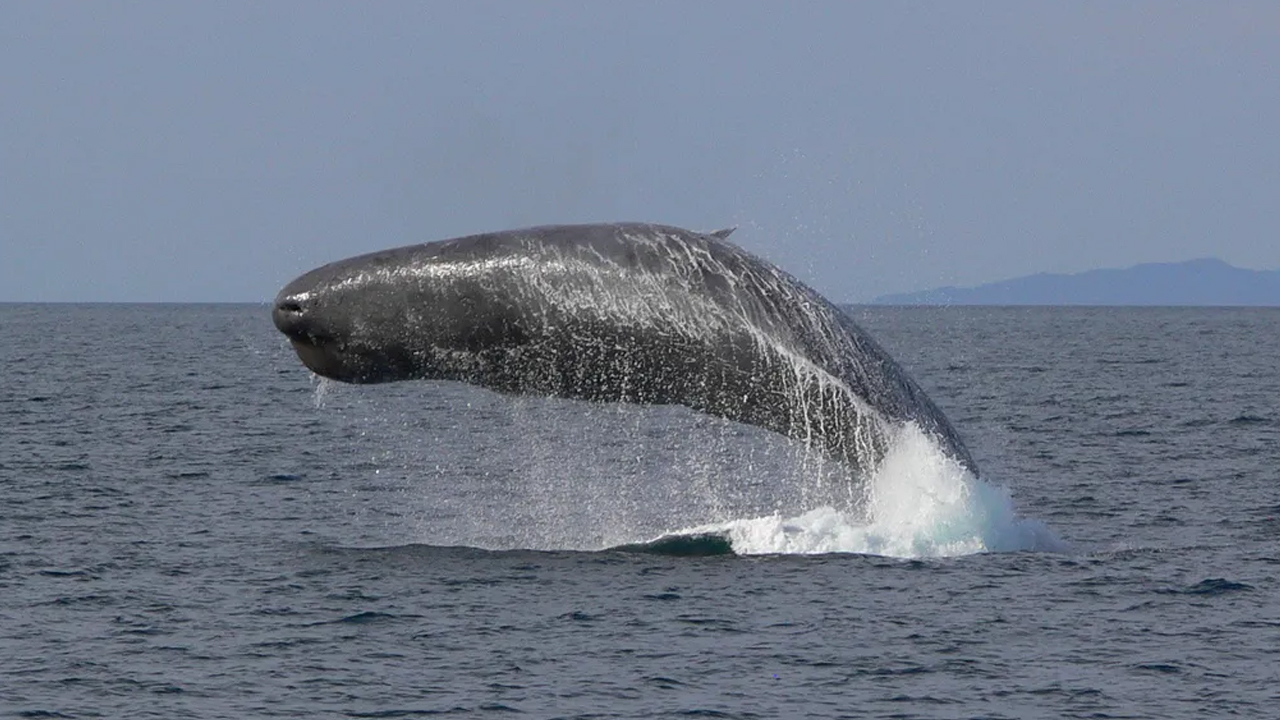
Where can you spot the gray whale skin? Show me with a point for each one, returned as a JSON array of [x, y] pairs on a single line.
[[620, 312]]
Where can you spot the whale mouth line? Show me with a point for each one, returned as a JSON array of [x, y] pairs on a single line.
[[315, 340]]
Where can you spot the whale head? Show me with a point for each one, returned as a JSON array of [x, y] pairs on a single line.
[[427, 311]]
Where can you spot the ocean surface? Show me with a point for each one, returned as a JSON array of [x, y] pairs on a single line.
[[192, 526]]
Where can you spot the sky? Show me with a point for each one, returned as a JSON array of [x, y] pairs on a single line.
[[202, 151]]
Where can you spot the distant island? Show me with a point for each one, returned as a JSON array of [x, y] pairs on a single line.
[[1195, 282]]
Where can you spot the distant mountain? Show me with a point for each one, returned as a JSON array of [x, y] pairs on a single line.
[[1195, 282]]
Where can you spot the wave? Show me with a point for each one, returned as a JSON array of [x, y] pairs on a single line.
[[919, 503], [694, 544]]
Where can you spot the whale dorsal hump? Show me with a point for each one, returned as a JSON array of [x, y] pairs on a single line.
[[722, 234]]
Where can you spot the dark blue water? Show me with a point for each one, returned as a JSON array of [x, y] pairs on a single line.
[[192, 527]]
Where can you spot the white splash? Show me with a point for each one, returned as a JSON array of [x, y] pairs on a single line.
[[919, 503], [323, 388]]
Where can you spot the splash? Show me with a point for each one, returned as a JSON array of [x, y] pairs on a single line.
[[323, 387], [919, 503]]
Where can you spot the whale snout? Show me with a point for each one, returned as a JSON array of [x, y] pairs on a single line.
[[291, 316], [295, 316]]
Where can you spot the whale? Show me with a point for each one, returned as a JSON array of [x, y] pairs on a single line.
[[614, 313]]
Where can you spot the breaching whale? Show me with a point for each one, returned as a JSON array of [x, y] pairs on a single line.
[[620, 312]]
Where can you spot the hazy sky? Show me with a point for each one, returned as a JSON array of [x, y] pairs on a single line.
[[212, 151]]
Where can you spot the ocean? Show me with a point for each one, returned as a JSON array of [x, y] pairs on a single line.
[[192, 526]]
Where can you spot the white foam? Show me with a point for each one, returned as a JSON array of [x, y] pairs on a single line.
[[919, 503]]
